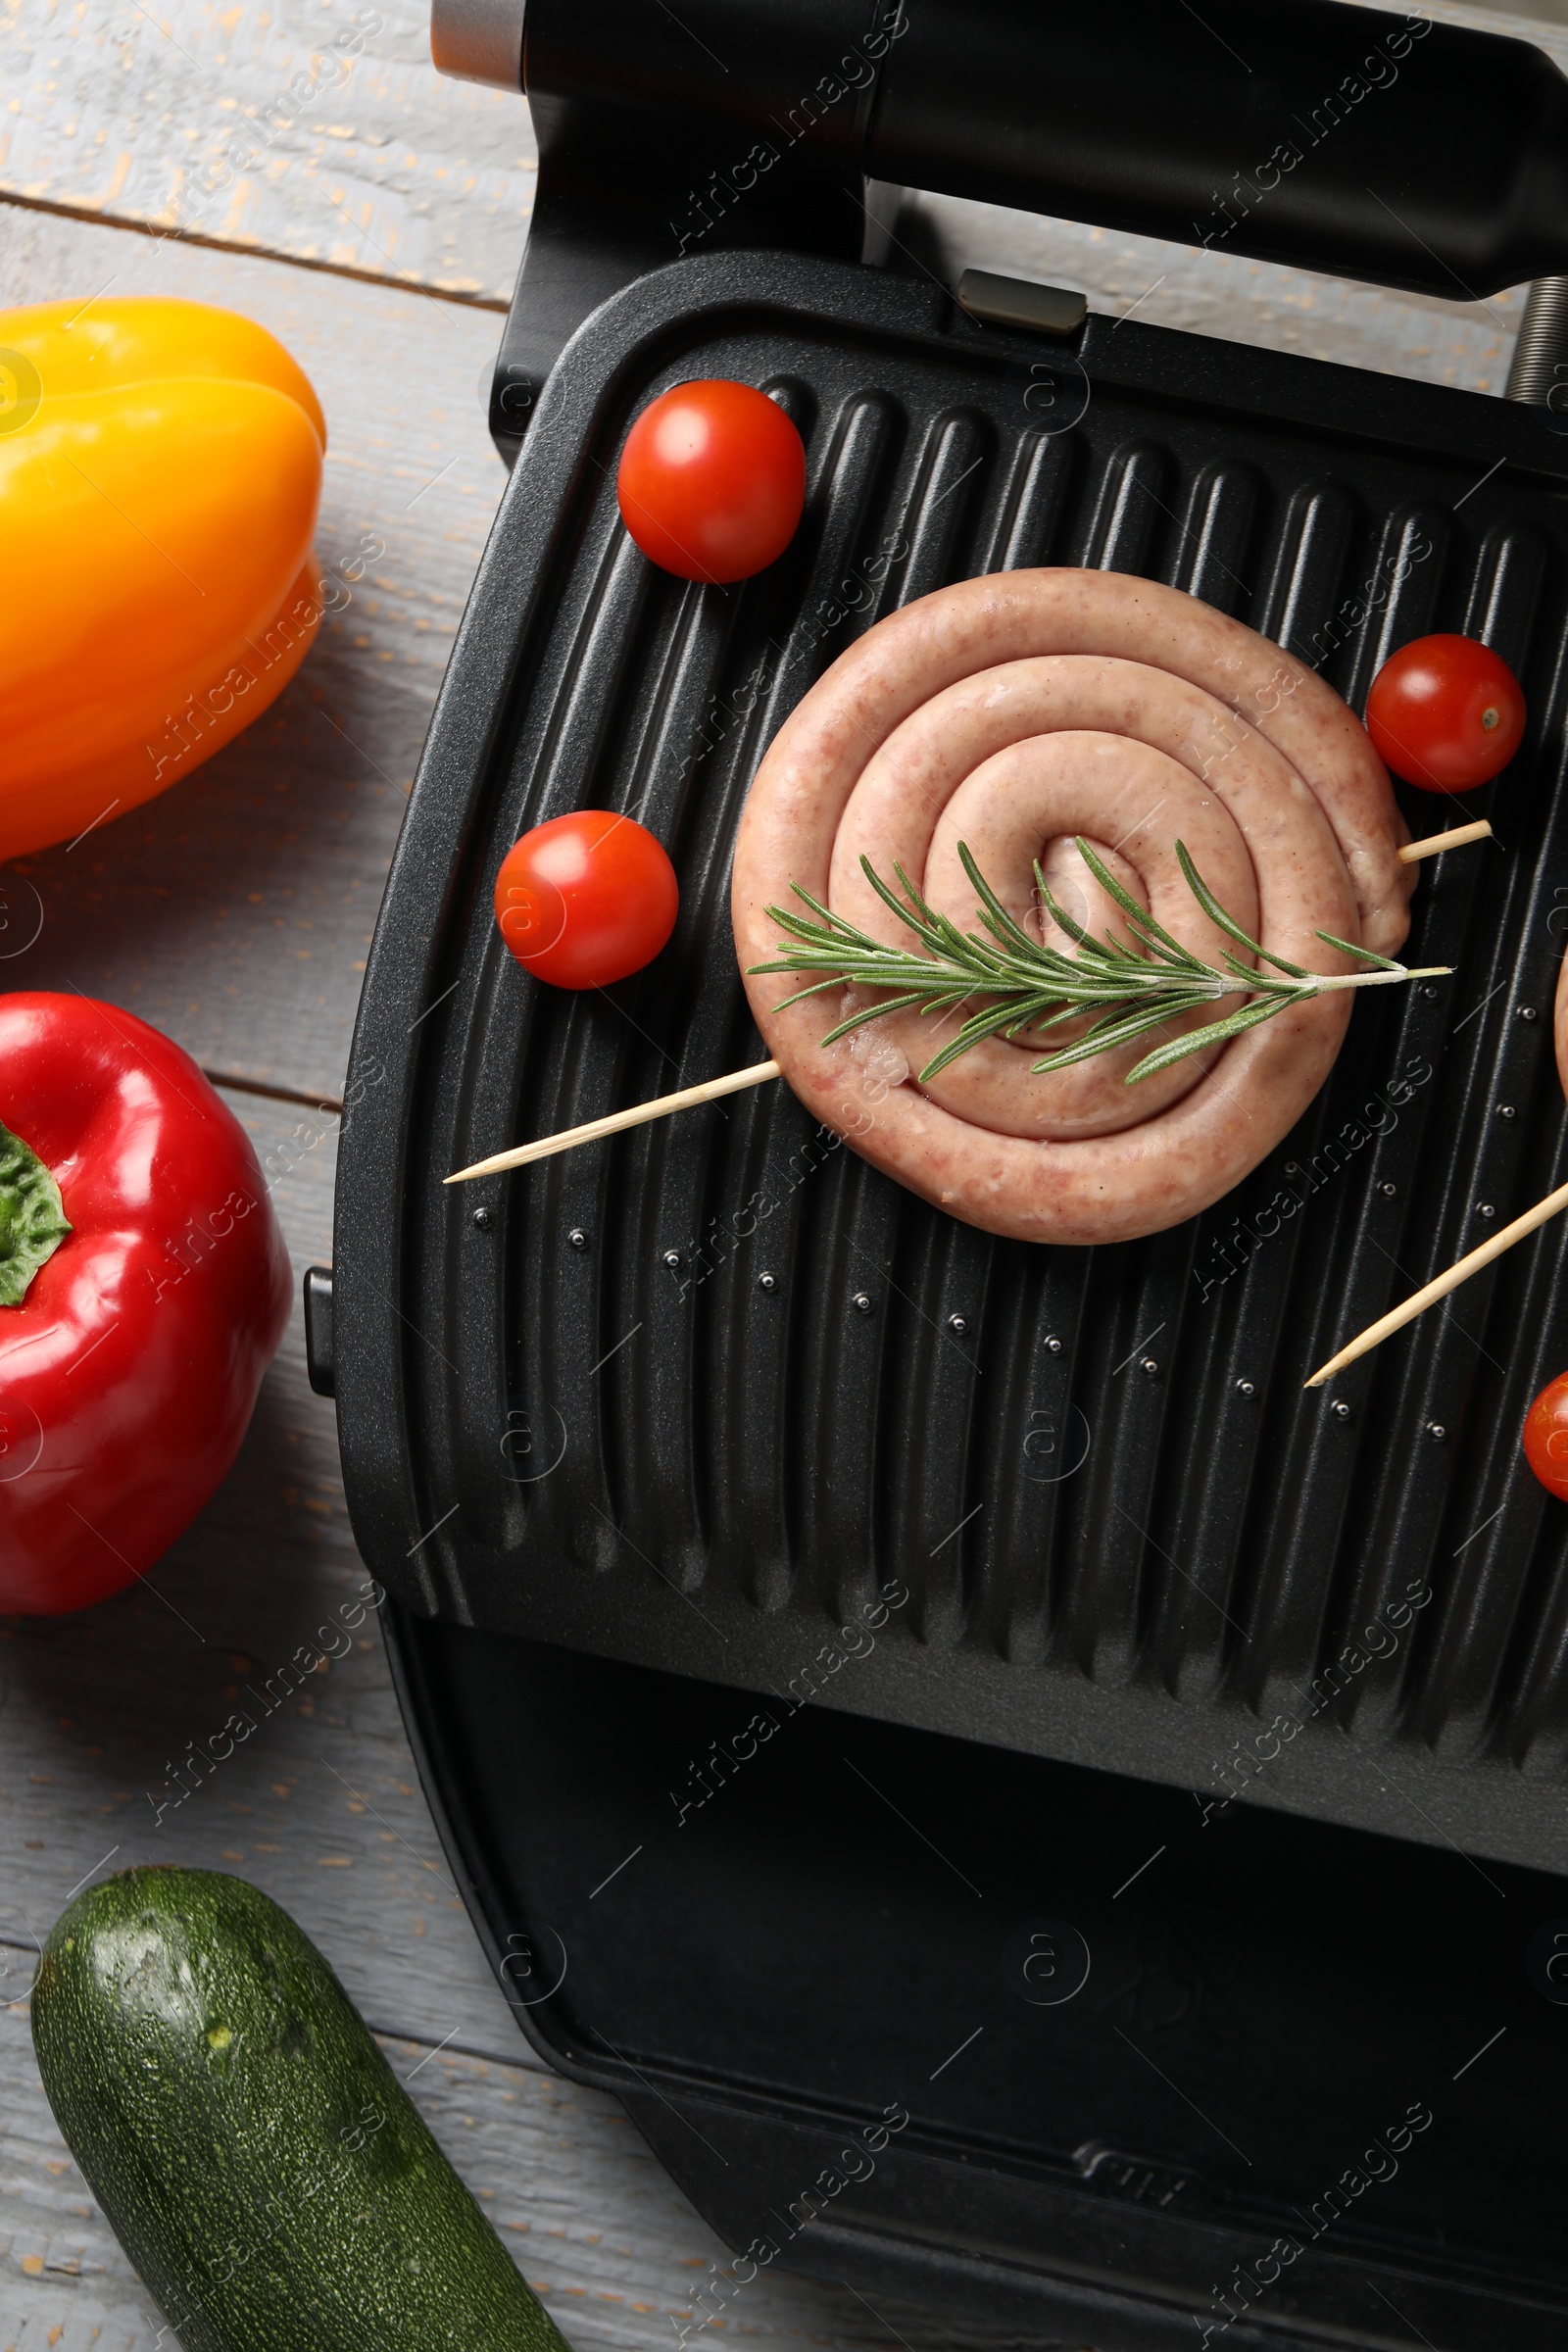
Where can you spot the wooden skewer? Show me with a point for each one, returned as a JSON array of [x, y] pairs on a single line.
[[1438, 842], [663, 1105], [1396, 1320]]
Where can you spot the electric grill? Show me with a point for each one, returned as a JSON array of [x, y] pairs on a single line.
[[883, 1688]]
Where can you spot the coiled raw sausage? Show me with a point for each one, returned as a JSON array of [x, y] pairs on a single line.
[[1013, 713]]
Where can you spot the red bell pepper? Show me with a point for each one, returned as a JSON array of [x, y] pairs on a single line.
[[145, 1287]]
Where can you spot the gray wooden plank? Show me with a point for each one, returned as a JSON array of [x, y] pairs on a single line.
[[317, 130], [594, 2223], [235, 910]]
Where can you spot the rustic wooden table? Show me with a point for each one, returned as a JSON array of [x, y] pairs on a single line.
[[374, 224]]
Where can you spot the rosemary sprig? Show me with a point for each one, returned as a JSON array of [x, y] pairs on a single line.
[[1030, 986]]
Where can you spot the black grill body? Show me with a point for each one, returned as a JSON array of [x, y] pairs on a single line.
[[1014, 1511], [861, 1918]]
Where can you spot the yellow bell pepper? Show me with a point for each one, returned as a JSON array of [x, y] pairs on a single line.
[[160, 473]]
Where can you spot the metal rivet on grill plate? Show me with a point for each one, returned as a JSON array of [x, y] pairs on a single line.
[[861, 1302], [484, 1219], [1430, 993], [1341, 1410], [1506, 1110], [1245, 1388], [1149, 1363], [1527, 1013], [1293, 1167], [767, 1282], [1390, 1192], [671, 1256], [1436, 1432], [1484, 1208], [958, 1325], [1053, 1347], [576, 1239]]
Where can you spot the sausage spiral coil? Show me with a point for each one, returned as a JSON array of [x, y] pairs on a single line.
[[1013, 713]]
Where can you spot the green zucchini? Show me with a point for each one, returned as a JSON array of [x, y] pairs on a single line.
[[257, 2159]]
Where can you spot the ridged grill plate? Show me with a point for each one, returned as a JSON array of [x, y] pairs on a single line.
[[1114, 1528]]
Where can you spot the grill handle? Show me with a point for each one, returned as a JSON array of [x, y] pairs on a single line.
[[1312, 133]]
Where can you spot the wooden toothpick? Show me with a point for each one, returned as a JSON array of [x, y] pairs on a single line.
[[661, 1108], [1435, 843], [1543, 1210], [1396, 1320]]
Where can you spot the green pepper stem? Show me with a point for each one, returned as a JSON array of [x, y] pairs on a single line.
[[32, 1217]]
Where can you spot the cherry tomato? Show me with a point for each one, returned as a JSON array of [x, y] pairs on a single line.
[[712, 481], [1546, 1436], [1446, 713], [586, 899]]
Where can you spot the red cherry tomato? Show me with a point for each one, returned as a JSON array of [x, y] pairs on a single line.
[[1446, 713], [586, 899], [1546, 1436], [712, 481]]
